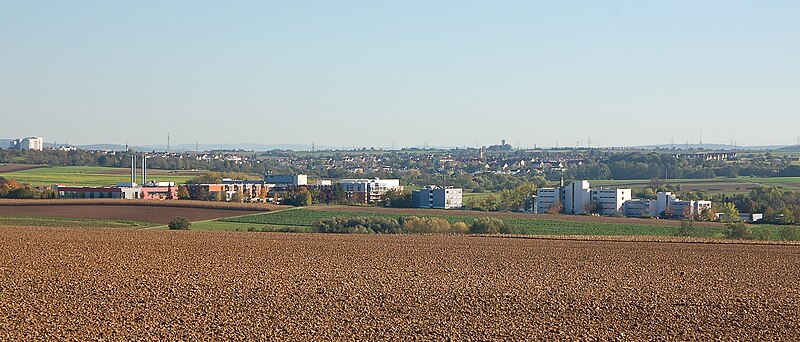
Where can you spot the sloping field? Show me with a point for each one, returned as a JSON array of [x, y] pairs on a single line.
[[506, 215], [61, 284], [90, 176], [18, 167], [155, 214]]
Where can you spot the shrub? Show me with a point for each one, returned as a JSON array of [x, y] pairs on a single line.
[[687, 228], [415, 224], [491, 225], [179, 223], [459, 228], [789, 233], [357, 225], [738, 230]]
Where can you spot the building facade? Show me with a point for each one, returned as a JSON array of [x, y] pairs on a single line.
[[437, 197], [368, 190], [286, 179], [30, 143]]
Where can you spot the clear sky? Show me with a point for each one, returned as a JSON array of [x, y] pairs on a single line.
[[377, 73]]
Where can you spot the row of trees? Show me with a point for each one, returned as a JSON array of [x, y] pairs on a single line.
[[10, 188], [411, 225]]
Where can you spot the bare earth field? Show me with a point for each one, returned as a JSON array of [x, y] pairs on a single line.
[[18, 167], [60, 284], [472, 213], [157, 214]]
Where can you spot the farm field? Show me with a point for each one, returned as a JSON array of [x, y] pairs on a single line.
[[63, 222], [302, 220], [92, 175], [154, 214], [101, 284]]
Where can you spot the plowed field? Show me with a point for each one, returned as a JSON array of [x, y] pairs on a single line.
[[155, 214], [60, 284]]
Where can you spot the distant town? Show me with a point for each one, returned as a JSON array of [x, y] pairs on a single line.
[[488, 178]]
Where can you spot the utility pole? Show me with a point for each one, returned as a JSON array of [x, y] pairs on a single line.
[[167, 142]]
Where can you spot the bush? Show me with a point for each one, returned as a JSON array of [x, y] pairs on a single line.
[[738, 230], [789, 233], [357, 225], [459, 228], [491, 225], [687, 228], [179, 223], [415, 224]]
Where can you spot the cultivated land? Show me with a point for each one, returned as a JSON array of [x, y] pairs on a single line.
[[92, 175], [154, 214], [89, 284], [301, 220]]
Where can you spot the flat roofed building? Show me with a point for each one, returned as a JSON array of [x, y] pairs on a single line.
[[437, 197], [299, 179], [369, 190], [30, 143]]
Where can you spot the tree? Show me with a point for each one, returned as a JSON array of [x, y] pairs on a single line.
[[593, 207], [237, 197], [521, 198], [738, 230], [491, 225], [219, 196], [395, 198], [179, 223], [709, 214], [262, 193], [655, 184], [459, 228], [556, 208], [415, 224], [687, 228], [298, 198], [729, 211], [183, 192]]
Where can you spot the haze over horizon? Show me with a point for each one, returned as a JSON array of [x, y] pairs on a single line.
[[360, 73]]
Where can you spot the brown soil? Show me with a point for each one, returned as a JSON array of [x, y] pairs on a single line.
[[119, 212], [64, 284], [472, 213], [18, 167]]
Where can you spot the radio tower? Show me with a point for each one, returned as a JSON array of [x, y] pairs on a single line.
[[167, 142]]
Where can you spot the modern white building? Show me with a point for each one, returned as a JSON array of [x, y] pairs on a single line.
[[665, 204], [611, 201], [30, 143], [369, 190], [433, 196], [546, 198], [286, 179], [577, 197]]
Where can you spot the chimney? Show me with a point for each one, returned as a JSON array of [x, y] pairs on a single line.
[[133, 169], [144, 169]]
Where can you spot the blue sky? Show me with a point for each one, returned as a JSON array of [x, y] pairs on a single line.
[[377, 73]]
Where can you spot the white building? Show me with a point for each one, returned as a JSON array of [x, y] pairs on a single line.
[[287, 179], [369, 190], [30, 143], [611, 201], [665, 204], [577, 197], [546, 198], [437, 197]]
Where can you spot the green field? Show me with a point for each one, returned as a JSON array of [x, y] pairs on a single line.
[[71, 222], [89, 176], [302, 219]]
